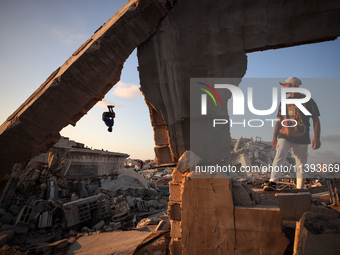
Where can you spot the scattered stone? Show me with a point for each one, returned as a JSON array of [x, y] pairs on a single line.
[[187, 161], [147, 221], [321, 209], [163, 225], [98, 226]]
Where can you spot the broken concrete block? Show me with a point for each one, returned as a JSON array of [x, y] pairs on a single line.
[[317, 234], [141, 206], [39, 205], [6, 236], [293, 205], [134, 174], [115, 225], [85, 229], [241, 196], [151, 192], [24, 216], [163, 225], [52, 190], [98, 226], [131, 201], [187, 162], [79, 211], [53, 206], [259, 230], [120, 205], [321, 209], [164, 202], [152, 203], [143, 223], [45, 220]]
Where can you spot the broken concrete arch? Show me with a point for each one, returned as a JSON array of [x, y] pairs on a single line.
[[79, 84]]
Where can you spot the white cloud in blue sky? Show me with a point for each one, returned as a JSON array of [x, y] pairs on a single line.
[[126, 90]]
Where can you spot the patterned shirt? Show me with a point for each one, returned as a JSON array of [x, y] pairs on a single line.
[[296, 123]]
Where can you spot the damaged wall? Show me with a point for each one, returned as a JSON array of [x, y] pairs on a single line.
[[210, 38]]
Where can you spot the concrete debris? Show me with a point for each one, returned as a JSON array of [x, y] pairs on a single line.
[[258, 157], [243, 195], [187, 162], [45, 206], [24, 216], [45, 220], [246, 152], [147, 221], [317, 234], [294, 205]]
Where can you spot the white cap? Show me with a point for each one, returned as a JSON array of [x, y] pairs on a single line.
[[291, 80]]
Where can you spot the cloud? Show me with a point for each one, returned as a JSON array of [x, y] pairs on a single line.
[[331, 138], [104, 103], [126, 90]]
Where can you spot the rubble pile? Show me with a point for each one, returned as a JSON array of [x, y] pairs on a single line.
[[160, 176], [40, 208], [246, 152]]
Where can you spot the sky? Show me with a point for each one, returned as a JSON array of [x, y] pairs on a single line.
[[39, 36]]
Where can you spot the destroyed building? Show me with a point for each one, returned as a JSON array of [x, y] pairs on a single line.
[[172, 37], [73, 191]]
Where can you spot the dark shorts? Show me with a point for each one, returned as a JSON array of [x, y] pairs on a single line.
[[108, 121]]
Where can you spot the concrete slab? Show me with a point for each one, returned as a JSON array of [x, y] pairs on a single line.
[[293, 205], [259, 230], [120, 242]]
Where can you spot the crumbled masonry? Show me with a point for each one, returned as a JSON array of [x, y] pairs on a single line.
[[51, 202]]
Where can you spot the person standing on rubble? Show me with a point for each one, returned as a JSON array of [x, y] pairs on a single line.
[[296, 137], [108, 117]]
